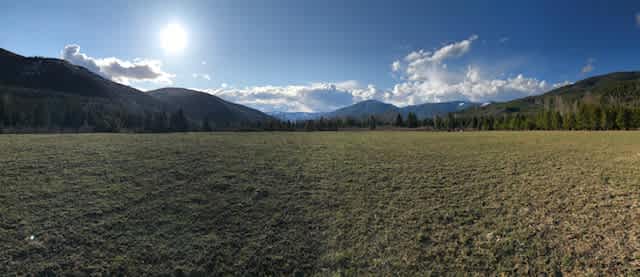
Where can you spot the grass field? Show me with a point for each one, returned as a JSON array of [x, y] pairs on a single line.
[[321, 203]]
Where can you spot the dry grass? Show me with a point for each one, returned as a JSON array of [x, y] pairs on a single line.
[[325, 203]]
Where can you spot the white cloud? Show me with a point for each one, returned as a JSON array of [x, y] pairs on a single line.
[[456, 49], [396, 66], [428, 79], [315, 97], [204, 76], [204, 62], [425, 78], [588, 67], [118, 70]]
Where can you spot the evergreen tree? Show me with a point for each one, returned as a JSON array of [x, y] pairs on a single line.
[[148, 121], [427, 122], [556, 120], [514, 122], [160, 122], [372, 123], [451, 121], [206, 125], [412, 120], [623, 119], [437, 123], [309, 125], [474, 123], [399, 122], [635, 118], [41, 115], [605, 120], [597, 118], [179, 122]]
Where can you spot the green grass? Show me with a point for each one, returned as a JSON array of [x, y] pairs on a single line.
[[350, 203]]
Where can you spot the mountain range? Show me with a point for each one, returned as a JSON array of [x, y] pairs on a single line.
[[40, 91], [382, 111], [60, 87]]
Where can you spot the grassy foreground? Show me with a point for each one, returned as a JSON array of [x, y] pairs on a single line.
[[321, 203]]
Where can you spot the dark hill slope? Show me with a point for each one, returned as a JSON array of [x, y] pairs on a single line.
[[52, 94], [364, 109], [200, 105], [47, 74]]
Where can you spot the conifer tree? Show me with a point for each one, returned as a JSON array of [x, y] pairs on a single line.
[[372, 123], [399, 122], [412, 120]]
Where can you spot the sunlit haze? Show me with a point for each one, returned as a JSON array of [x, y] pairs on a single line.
[[174, 38]]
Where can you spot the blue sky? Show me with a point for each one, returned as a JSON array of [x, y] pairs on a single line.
[[319, 55]]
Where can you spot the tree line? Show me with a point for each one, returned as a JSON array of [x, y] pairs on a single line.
[[73, 114], [584, 117]]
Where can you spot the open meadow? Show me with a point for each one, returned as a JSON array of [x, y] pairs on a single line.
[[325, 203]]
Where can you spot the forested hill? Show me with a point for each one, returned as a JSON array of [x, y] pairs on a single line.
[[203, 106], [363, 109], [48, 74], [610, 101], [50, 95], [617, 89]]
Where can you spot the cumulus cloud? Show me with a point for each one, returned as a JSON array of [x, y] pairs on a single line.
[[395, 66], [588, 67], [204, 76], [118, 70], [424, 75], [428, 79], [456, 49], [315, 97]]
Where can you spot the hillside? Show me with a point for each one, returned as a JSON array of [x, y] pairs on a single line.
[[55, 75], [614, 89], [47, 94], [364, 109], [199, 106]]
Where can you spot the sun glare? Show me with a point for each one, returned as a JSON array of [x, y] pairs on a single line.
[[174, 38]]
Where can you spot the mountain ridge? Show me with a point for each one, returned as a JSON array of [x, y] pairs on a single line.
[[201, 105], [381, 110], [44, 92], [615, 88]]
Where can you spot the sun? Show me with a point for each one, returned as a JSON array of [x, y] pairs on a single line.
[[174, 38]]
